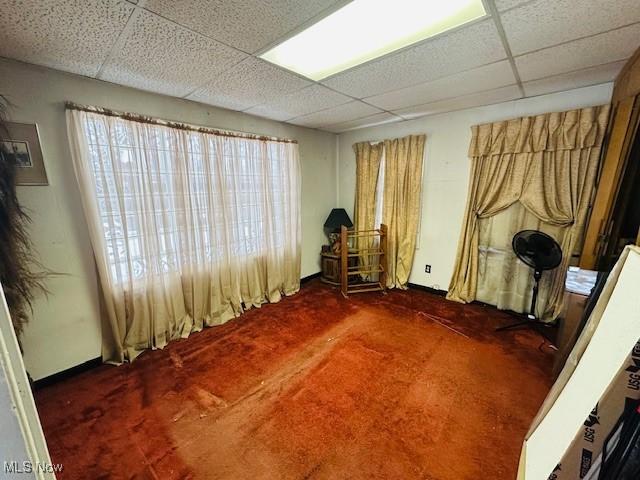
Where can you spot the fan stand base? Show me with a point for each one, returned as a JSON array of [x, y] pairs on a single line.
[[533, 323], [530, 319]]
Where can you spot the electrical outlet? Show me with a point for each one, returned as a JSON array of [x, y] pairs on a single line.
[[427, 269]]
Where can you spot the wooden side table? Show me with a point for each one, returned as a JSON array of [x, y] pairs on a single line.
[[330, 268]]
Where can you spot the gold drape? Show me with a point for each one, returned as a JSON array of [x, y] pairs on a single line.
[[549, 164], [401, 204], [367, 168]]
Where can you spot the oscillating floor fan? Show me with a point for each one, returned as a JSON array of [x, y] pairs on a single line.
[[541, 252]]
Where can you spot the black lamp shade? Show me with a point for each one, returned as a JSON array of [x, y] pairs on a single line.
[[336, 219]]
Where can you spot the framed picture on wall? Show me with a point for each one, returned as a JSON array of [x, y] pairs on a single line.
[[22, 145]]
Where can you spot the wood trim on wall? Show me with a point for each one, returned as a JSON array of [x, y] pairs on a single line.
[[624, 120], [628, 80]]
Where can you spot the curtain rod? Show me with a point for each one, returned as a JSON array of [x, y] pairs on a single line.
[[135, 117]]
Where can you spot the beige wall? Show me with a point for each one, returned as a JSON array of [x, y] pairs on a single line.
[[446, 169], [65, 330]]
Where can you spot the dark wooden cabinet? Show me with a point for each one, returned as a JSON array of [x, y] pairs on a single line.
[[330, 266]]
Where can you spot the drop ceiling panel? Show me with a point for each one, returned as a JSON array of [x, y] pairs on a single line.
[[342, 113], [503, 5], [498, 95], [302, 102], [377, 119], [163, 57], [468, 47], [71, 35], [488, 77], [587, 52], [568, 81], [186, 49], [246, 25], [250, 83], [270, 112], [544, 23]]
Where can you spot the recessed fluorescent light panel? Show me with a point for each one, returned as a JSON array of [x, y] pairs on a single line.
[[367, 29]]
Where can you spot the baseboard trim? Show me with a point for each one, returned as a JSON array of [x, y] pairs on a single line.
[[68, 373], [434, 291], [308, 278]]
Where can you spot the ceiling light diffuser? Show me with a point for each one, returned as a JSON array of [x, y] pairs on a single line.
[[366, 29]]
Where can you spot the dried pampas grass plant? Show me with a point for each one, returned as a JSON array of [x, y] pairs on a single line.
[[21, 274]]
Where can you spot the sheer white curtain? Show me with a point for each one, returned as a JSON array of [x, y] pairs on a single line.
[[188, 227]]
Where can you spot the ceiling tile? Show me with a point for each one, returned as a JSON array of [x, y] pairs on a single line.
[[251, 82], [544, 23], [247, 25], [163, 57], [568, 81], [471, 46], [488, 77], [377, 119], [498, 95], [503, 5], [307, 100], [342, 113], [270, 112], [71, 35], [587, 52]]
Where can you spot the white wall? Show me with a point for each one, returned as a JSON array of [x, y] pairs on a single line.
[[65, 330], [446, 169]]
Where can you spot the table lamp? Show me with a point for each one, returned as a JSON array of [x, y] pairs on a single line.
[[336, 219]]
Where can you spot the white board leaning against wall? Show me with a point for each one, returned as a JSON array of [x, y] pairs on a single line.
[[602, 349], [23, 449]]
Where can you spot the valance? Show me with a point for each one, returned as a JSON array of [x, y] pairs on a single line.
[[584, 128]]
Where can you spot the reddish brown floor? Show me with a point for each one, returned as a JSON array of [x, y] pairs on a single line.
[[401, 386]]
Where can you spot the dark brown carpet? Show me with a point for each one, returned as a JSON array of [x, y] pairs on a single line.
[[398, 386]]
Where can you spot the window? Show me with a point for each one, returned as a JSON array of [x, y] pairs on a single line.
[[171, 200]]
